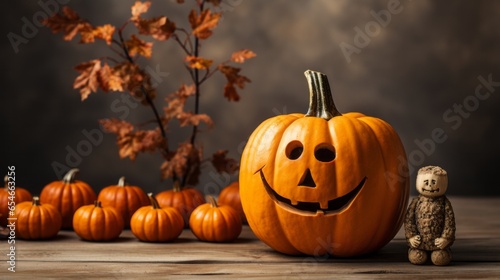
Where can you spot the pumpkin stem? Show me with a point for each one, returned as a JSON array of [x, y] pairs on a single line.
[[6, 180], [36, 201], [97, 203], [210, 199], [153, 201], [321, 103], [70, 176], [121, 181], [177, 186]]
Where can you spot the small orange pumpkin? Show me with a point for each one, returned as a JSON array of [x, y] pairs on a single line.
[[230, 195], [185, 200], [36, 221], [67, 196], [324, 182], [155, 224], [97, 223], [215, 223], [11, 195], [125, 198]]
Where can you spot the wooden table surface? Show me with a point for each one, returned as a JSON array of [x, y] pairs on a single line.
[[476, 255]]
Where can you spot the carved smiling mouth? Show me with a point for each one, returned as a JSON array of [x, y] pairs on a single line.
[[335, 206]]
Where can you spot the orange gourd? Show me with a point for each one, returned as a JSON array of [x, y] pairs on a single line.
[[185, 200], [67, 196], [11, 195], [125, 198], [35, 221], [230, 195], [155, 224], [97, 223], [215, 223], [324, 182]]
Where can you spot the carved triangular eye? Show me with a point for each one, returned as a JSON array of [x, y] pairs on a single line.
[[307, 180]]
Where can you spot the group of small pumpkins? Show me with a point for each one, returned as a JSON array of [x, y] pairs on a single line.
[[73, 204], [316, 183]]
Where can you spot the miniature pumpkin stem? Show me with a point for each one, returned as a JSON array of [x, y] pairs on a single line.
[[121, 181], [6, 181], [70, 176], [177, 186], [97, 203], [321, 103], [36, 201], [153, 201], [211, 200]]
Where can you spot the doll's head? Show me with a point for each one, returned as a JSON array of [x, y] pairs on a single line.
[[432, 181]]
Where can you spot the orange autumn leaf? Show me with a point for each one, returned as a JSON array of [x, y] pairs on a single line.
[[159, 28], [116, 126], [241, 56], [109, 80], [139, 8], [230, 92], [188, 118], [198, 62], [233, 79], [222, 163], [88, 80], [177, 162], [131, 142], [138, 46], [233, 76], [70, 24], [203, 23], [104, 32], [177, 100]]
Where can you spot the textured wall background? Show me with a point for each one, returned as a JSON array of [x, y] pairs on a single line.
[[426, 67]]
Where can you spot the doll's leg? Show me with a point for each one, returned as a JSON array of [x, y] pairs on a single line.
[[441, 257], [417, 256]]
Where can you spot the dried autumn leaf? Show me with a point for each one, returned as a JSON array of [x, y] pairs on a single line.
[[138, 46], [87, 35], [230, 92], [188, 118], [203, 24], [165, 31], [131, 142], [135, 80], [104, 32], [152, 140], [88, 80], [150, 26], [70, 24], [159, 28], [222, 163], [233, 76], [109, 80], [241, 56], [116, 126], [139, 8], [177, 162], [176, 101], [198, 62], [131, 75]]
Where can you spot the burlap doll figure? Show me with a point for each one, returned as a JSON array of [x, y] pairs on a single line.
[[430, 221]]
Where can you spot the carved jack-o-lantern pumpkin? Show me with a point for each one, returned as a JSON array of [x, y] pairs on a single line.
[[324, 182]]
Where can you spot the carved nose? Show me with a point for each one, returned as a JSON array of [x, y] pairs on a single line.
[[307, 180]]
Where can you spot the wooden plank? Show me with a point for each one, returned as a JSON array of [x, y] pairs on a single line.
[[476, 254]]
